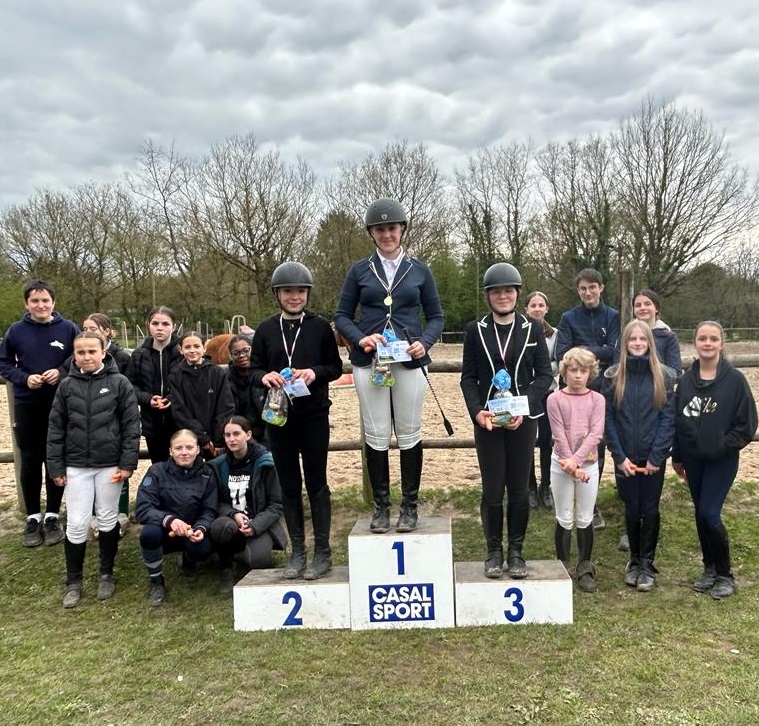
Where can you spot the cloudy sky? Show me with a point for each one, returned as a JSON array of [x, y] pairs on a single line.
[[84, 82]]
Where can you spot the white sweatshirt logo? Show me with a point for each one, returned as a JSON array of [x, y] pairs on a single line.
[[697, 405]]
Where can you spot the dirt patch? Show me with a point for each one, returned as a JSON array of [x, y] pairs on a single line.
[[442, 467]]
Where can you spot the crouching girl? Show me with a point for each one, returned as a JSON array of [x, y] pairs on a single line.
[[176, 503], [250, 503]]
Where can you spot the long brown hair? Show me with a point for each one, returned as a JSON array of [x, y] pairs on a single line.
[[620, 376], [548, 329]]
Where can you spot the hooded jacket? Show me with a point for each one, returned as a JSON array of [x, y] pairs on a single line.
[[29, 347], [713, 418], [94, 421], [202, 400], [636, 430], [148, 370], [169, 491], [251, 485], [531, 372]]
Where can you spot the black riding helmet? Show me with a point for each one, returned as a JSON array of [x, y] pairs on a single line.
[[292, 274], [501, 274], [385, 211]]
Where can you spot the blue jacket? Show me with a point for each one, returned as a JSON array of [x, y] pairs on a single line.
[[413, 290], [636, 430], [596, 329], [29, 347], [168, 491]]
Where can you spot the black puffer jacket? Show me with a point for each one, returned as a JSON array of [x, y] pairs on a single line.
[[148, 370], [168, 490], [94, 421], [202, 400]]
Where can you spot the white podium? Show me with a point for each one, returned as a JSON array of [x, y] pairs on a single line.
[[402, 580], [544, 596], [264, 600]]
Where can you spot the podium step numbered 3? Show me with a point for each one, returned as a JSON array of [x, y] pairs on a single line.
[[403, 581]]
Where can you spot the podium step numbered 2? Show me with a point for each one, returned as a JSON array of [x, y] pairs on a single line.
[[404, 580]]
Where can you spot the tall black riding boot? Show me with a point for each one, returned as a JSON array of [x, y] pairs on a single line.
[[321, 517], [649, 537], [562, 539], [72, 593], [517, 514], [492, 525], [586, 570], [411, 477], [379, 475], [293, 510], [108, 542]]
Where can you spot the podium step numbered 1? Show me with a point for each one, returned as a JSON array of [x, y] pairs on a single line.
[[403, 581]]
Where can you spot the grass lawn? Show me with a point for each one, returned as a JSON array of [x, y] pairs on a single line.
[[667, 657]]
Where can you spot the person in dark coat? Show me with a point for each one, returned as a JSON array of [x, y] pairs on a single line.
[[640, 427], [715, 417], [249, 399], [176, 502], [385, 298], [31, 353], [148, 370], [250, 503], [201, 396], [504, 349], [92, 447], [300, 344]]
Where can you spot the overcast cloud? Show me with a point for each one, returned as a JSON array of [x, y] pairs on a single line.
[[83, 82]]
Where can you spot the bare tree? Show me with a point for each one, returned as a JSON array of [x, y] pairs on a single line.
[[496, 199], [682, 197], [580, 226], [251, 208], [409, 175]]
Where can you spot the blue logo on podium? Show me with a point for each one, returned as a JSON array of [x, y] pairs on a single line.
[[401, 603]]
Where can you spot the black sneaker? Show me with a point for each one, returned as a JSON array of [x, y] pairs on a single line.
[[52, 531], [706, 581], [624, 543], [532, 494], [724, 586], [32, 533], [157, 591]]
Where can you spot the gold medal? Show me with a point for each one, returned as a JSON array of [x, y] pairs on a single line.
[[388, 301]]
